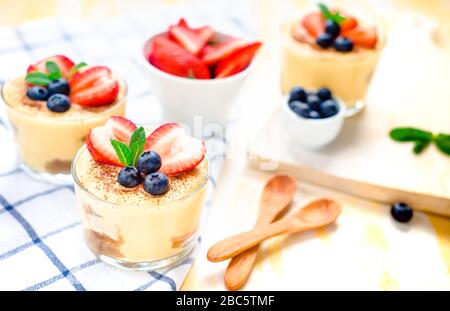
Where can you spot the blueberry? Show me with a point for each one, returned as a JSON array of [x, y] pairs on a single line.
[[297, 93], [156, 183], [129, 177], [324, 93], [401, 212], [343, 44], [58, 103], [149, 162], [313, 102], [301, 109], [324, 41], [313, 114], [329, 108], [37, 93], [332, 28], [59, 86]]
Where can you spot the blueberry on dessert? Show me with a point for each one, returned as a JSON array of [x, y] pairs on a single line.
[[156, 183], [332, 28], [58, 103], [297, 94], [59, 86], [343, 45], [37, 93], [129, 177], [317, 105], [324, 40]]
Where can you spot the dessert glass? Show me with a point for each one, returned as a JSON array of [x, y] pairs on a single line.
[[139, 235], [48, 141], [210, 101], [348, 75]]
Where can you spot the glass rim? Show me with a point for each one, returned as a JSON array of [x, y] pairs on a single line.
[[90, 194], [117, 102]]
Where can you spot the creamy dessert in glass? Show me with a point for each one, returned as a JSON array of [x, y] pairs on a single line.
[[52, 108], [333, 49], [140, 193], [197, 72]]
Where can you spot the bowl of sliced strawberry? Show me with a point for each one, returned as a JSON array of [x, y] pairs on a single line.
[[196, 73]]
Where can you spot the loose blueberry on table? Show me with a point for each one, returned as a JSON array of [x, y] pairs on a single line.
[[61, 82], [401, 212], [332, 28], [167, 151], [313, 105]]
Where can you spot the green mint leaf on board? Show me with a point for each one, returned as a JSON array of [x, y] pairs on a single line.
[[137, 143], [410, 134], [442, 141], [335, 17], [53, 70], [38, 78], [420, 146], [122, 151], [75, 69]]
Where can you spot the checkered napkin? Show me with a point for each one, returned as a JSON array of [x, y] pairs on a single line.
[[41, 240]]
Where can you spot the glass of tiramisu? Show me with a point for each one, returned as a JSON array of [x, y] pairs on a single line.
[[52, 108], [141, 193]]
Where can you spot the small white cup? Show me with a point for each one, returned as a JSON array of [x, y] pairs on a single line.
[[184, 99], [312, 133]]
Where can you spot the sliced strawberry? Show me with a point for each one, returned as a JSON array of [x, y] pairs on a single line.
[[182, 22], [192, 40], [237, 61], [362, 37], [349, 23], [64, 63], [98, 140], [314, 23], [94, 86], [169, 57], [212, 54], [179, 152]]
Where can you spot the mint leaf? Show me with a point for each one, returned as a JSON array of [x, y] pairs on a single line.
[[53, 70], [38, 78], [410, 134], [122, 151], [420, 146], [442, 141], [137, 143], [75, 69], [336, 17]]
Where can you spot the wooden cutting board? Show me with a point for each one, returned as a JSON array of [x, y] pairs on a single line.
[[410, 88]]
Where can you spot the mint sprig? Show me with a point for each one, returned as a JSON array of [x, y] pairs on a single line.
[[335, 17], [129, 154], [54, 73], [422, 139]]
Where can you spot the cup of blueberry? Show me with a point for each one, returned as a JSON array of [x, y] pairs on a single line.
[[312, 118]]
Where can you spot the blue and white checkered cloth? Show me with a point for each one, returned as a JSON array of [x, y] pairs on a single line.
[[41, 240]]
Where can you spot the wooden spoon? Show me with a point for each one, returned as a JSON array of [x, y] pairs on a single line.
[[316, 214], [276, 196]]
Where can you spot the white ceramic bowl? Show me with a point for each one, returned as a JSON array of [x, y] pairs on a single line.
[[185, 100], [312, 133]]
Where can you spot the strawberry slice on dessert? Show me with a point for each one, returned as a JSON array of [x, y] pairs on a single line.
[[171, 58], [367, 38], [191, 39], [212, 54], [179, 152], [98, 140], [63, 62], [94, 86], [314, 23], [237, 61]]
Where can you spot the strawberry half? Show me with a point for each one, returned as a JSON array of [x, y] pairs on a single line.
[[63, 62], [237, 61], [179, 152], [192, 40], [98, 140], [314, 23], [362, 37], [212, 54], [169, 57], [94, 86], [348, 23]]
